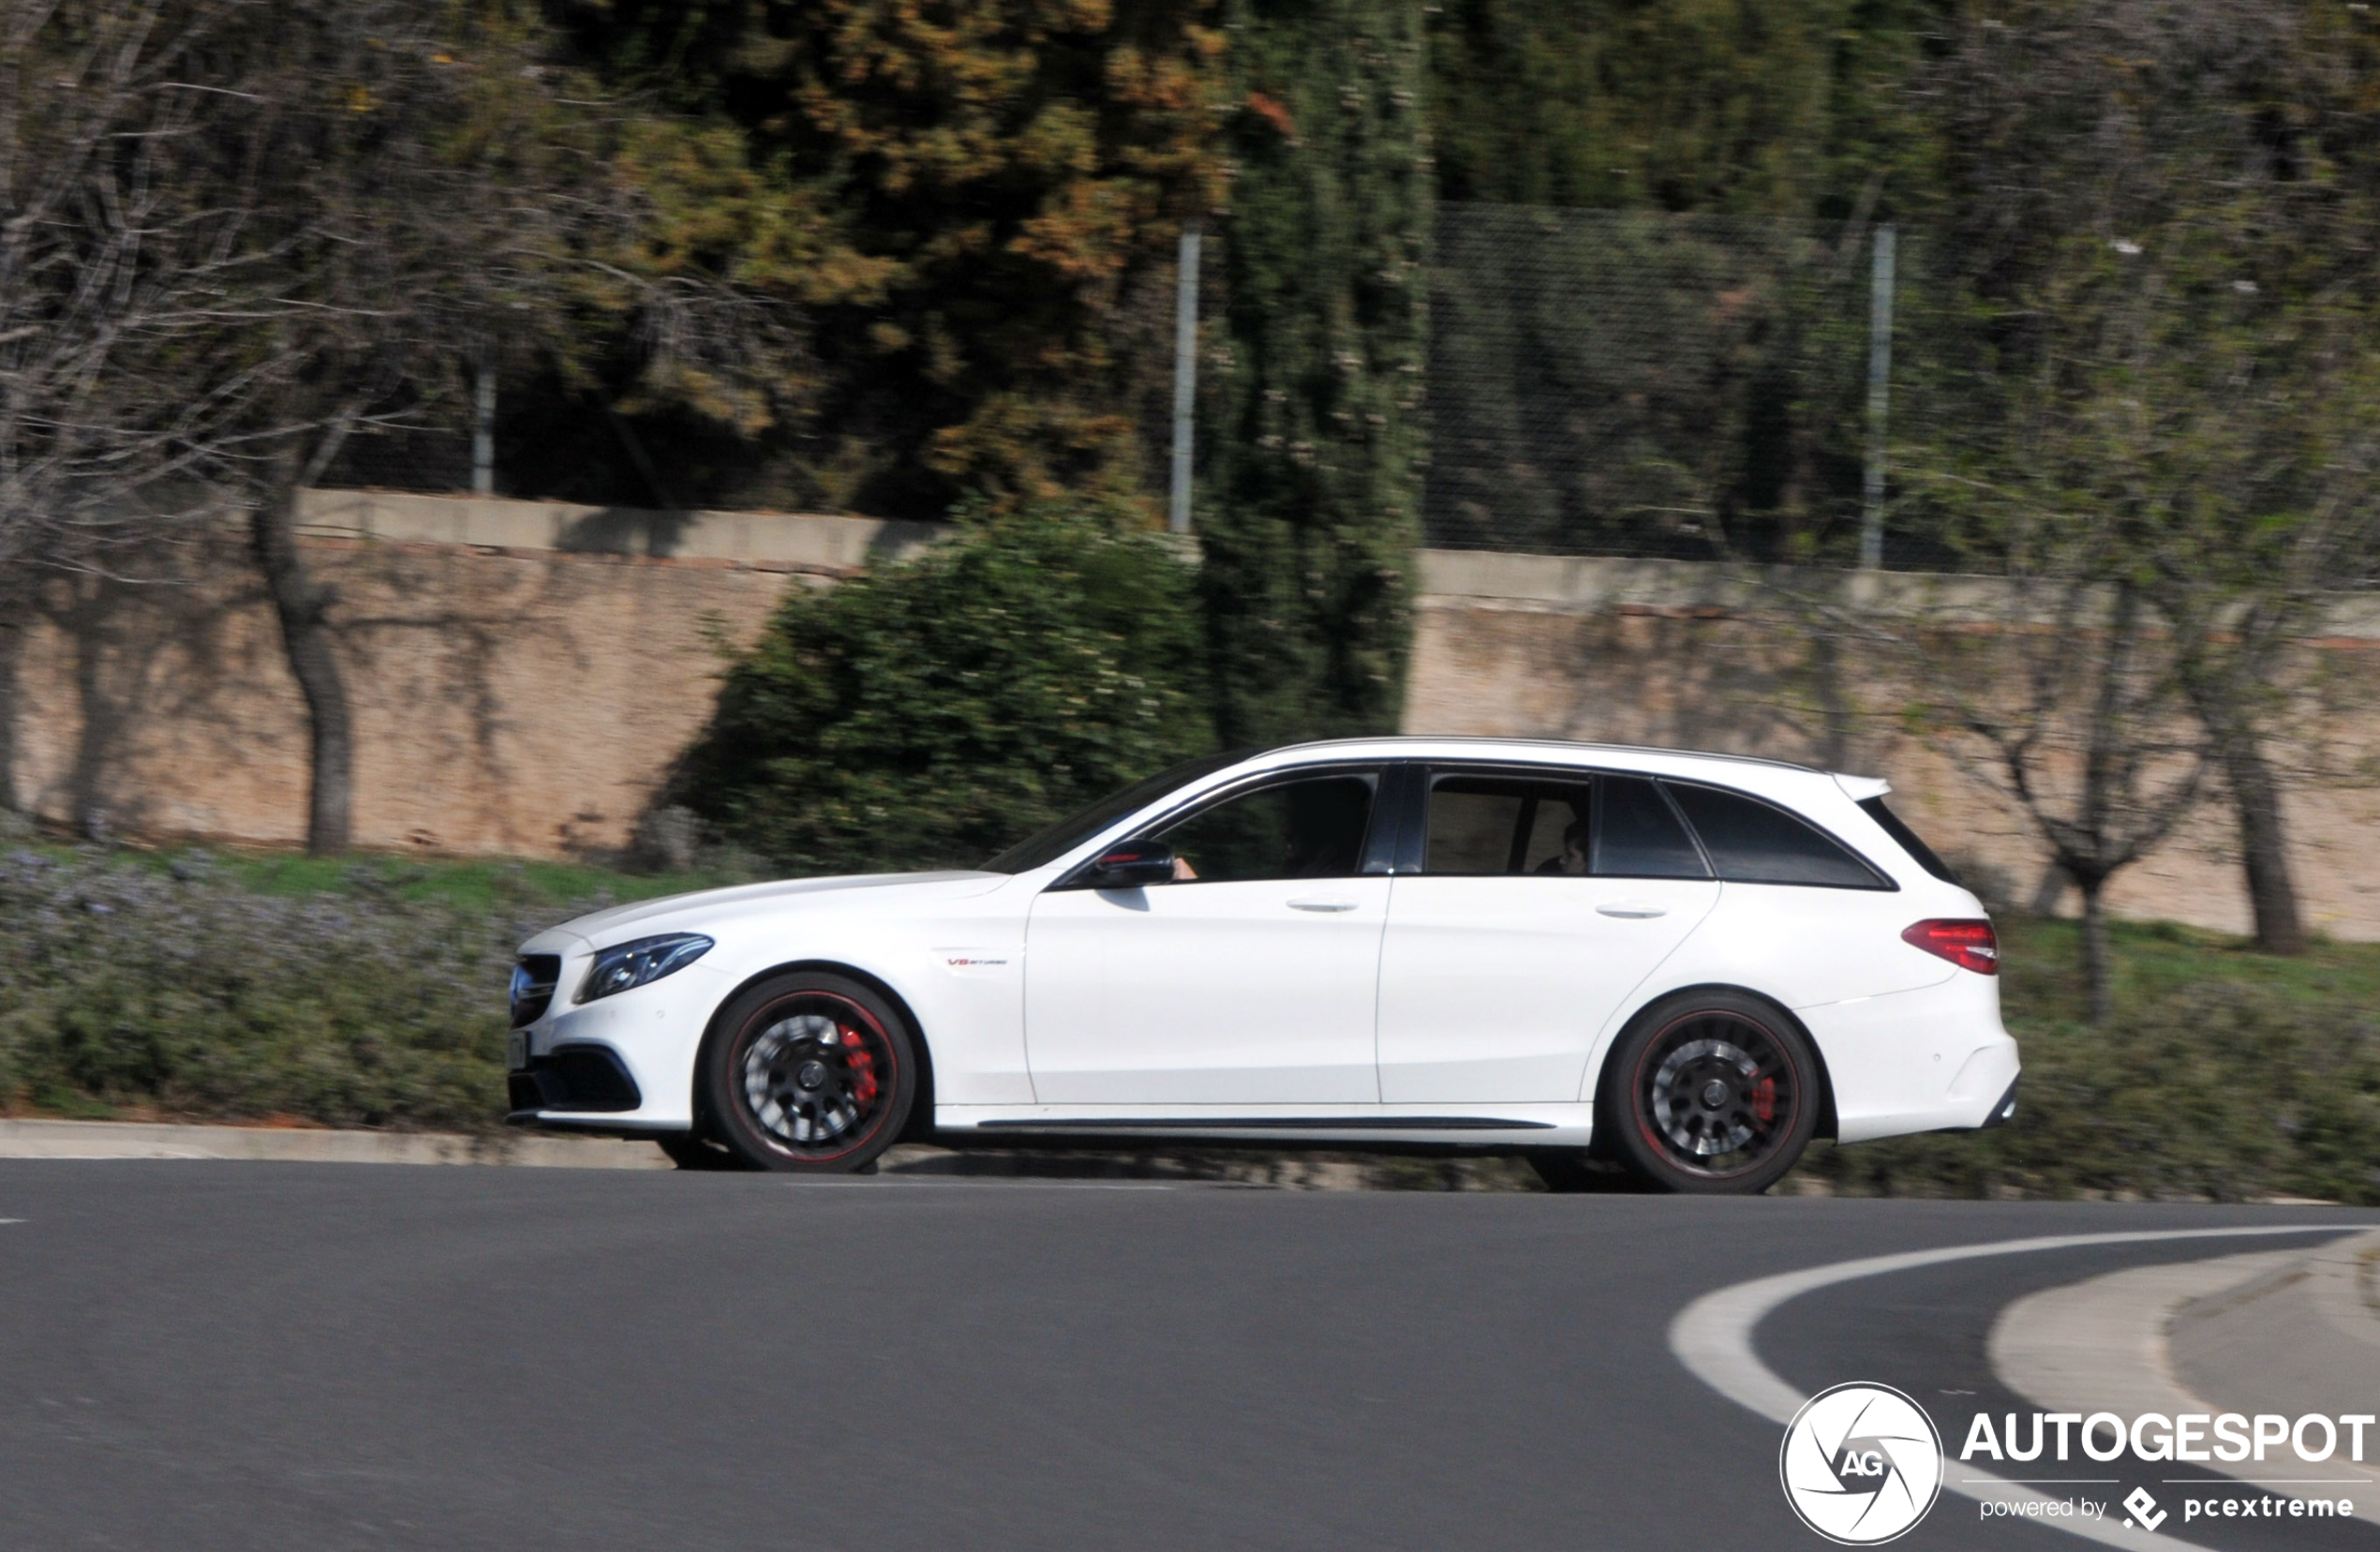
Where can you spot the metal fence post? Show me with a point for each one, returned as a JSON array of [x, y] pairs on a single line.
[[1185, 373], [483, 428], [1880, 378]]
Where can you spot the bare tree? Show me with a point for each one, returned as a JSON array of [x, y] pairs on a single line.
[[2166, 201], [2088, 745], [2242, 590], [239, 233], [117, 275], [2053, 684]]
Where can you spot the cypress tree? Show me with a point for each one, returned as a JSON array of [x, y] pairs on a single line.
[[1312, 504]]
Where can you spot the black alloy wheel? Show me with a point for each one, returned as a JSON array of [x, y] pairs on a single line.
[[1710, 1092], [809, 1072]]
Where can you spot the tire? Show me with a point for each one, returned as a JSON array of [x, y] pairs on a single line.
[[808, 1073], [1714, 1093]]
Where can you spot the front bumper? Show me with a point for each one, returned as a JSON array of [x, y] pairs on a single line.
[[623, 1063]]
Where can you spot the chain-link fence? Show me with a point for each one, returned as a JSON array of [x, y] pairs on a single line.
[[1601, 382], [1648, 385]]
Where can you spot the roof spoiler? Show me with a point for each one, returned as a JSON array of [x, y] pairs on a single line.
[[1862, 788]]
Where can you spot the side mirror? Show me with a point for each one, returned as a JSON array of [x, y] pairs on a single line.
[[1129, 865]]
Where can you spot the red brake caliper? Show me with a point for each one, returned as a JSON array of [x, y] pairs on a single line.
[[1765, 1100], [863, 1068]]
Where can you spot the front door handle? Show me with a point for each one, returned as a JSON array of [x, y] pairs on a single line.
[[1320, 903], [1631, 910]]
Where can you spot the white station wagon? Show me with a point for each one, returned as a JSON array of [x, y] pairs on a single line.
[[1690, 964]]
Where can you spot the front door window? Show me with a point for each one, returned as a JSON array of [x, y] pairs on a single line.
[[1310, 829]]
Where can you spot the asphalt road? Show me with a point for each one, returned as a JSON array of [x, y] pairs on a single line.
[[218, 1355]]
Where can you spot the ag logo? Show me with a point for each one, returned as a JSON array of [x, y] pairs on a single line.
[[1861, 1464]]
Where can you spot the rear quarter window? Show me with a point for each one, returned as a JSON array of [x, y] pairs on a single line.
[[1750, 841], [1637, 834], [1909, 841]]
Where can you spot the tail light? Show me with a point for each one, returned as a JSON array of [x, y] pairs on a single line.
[[1969, 945]]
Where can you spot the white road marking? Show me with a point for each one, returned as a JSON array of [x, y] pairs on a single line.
[[1713, 1338]]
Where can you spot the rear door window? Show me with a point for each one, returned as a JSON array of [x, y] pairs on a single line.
[[1750, 841], [1638, 834], [1503, 824]]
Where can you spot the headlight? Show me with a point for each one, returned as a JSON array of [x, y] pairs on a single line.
[[632, 965]]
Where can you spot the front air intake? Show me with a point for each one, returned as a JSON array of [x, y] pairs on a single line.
[[586, 1078]]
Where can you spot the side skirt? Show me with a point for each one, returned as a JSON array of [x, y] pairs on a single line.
[[1262, 1123]]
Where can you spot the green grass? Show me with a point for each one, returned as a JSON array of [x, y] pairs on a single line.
[[475, 883]]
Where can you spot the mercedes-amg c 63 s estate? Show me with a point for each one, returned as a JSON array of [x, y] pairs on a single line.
[[1688, 965]]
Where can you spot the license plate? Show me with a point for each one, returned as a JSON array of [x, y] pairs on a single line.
[[516, 1050]]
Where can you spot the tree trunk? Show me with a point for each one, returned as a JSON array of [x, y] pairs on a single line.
[[2263, 842], [1834, 701], [2051, 890], [2098, 966], [304, 606], [11, 650]]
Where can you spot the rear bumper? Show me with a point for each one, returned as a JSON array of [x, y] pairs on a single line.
[[1934, 1059]]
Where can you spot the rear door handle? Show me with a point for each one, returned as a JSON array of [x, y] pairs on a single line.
[[1633, 910], [1318, 903]]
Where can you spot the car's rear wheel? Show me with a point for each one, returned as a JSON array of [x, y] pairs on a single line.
[[1710, 1092], [809, 1072]]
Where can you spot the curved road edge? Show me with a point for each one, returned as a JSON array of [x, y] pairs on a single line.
[[1713, 1338], [2106, 1341]]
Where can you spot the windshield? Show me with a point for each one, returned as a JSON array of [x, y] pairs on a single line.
[[1068, 833]]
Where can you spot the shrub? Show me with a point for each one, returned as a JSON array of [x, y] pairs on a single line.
[[193, 992], [942, 708]]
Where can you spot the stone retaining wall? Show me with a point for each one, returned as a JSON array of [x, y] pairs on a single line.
[[526, 672]]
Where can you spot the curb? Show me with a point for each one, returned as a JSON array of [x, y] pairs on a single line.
[[2304, 1337], [1284, 1170], [90, 1139], [2153, 1339]]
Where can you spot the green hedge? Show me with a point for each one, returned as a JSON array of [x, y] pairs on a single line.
[[940, 709], [2226, 1074]]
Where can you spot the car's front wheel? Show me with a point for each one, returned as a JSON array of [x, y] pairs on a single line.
[[1710, 1092], [809, 1072]]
